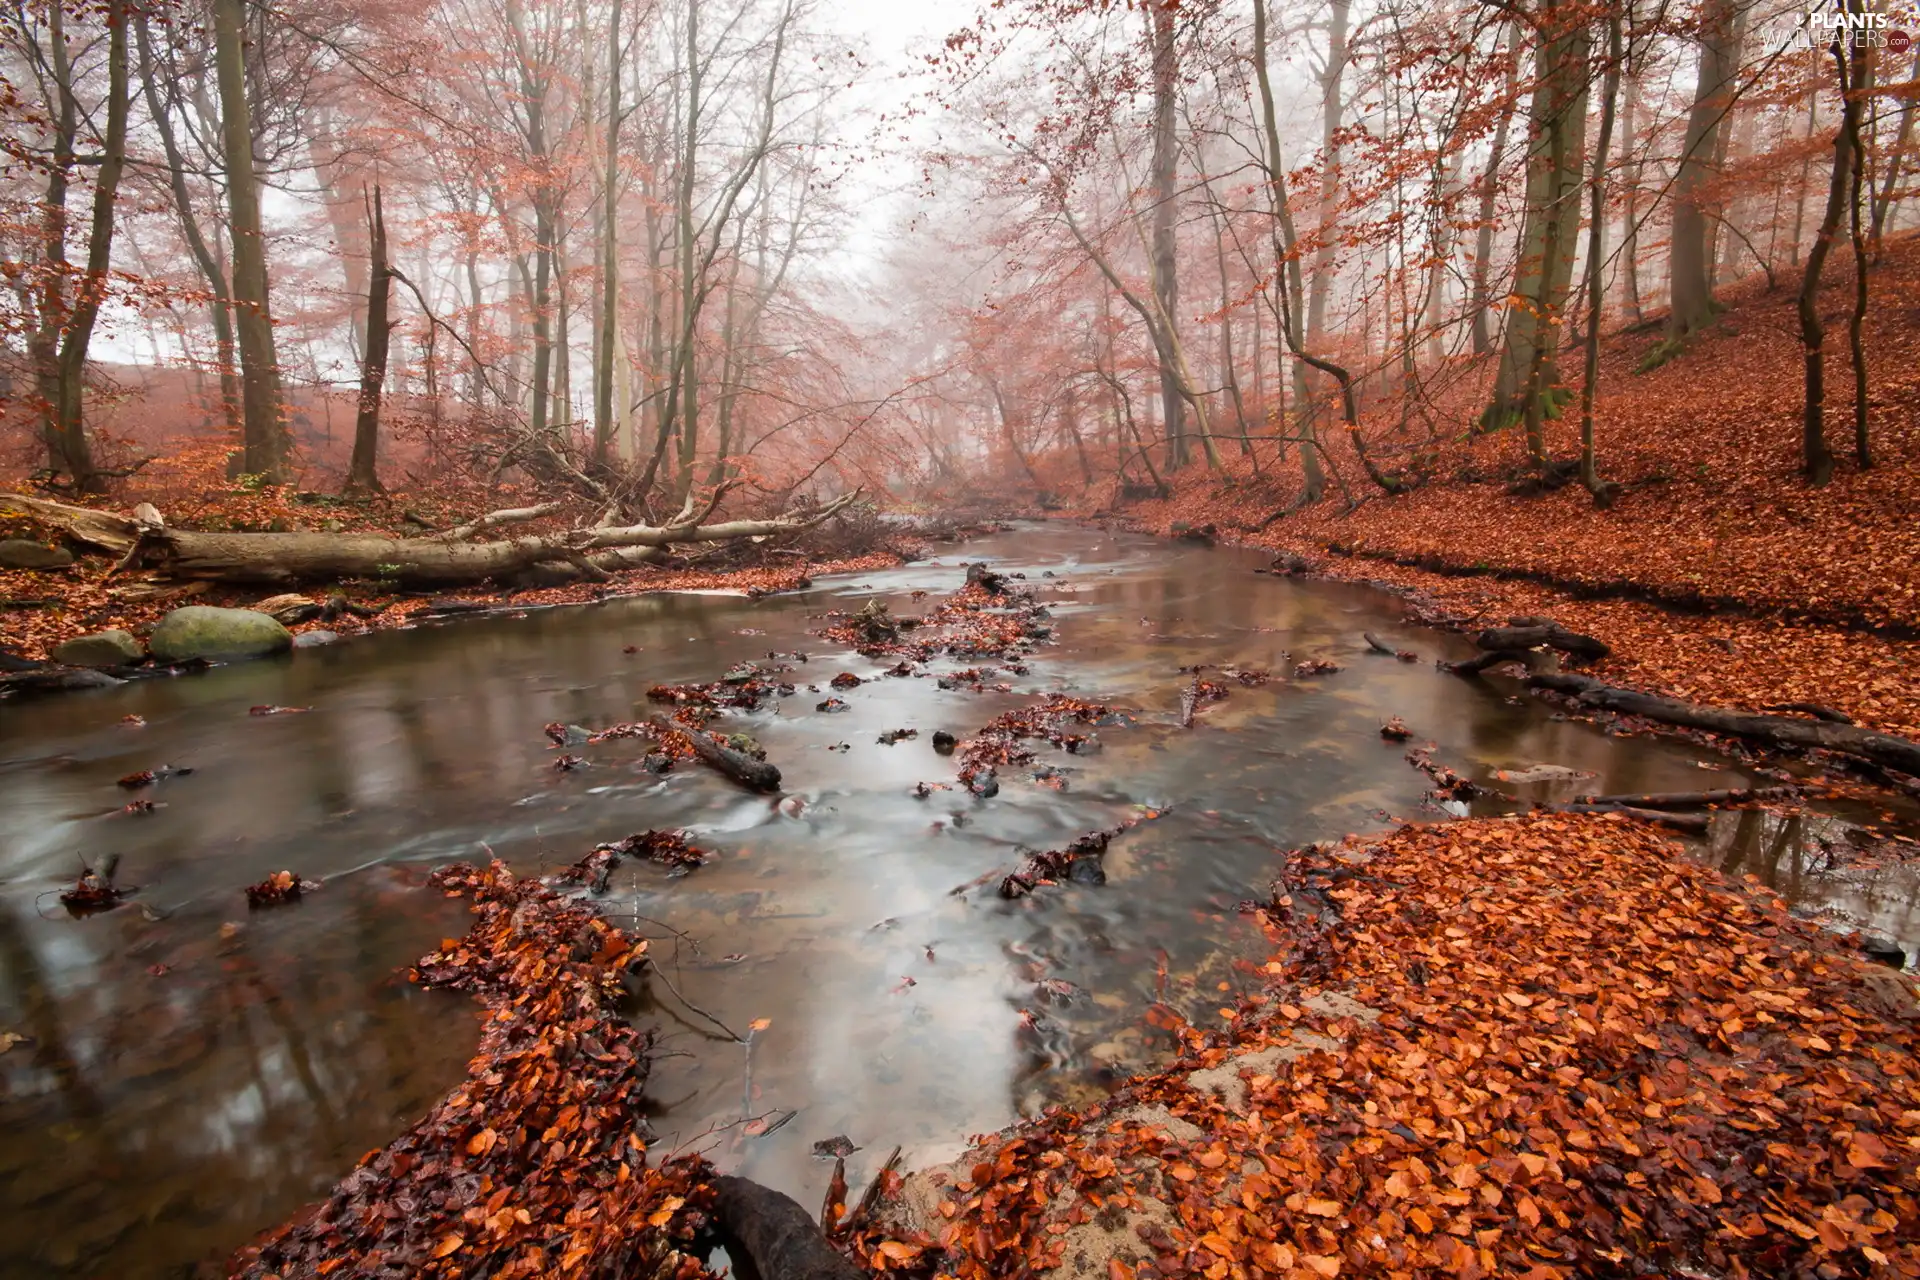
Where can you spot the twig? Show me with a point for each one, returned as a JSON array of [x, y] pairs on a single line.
[[662, 973]]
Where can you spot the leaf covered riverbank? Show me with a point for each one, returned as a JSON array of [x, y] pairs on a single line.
[[1541, 1046]]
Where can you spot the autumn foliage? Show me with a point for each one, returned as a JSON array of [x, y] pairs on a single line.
[[536, 1165], [1541, 1046]]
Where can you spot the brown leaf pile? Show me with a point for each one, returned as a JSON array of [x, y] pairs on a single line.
[[1590, 1058], [1001, 741], [534, 1166]]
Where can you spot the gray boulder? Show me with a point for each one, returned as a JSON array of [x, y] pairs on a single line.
[[18, 553], [101, 649], [218, 635], [314, 639]]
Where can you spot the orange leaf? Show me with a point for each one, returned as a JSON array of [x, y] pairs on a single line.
[[760, 1024], [898, 1251], [482, 1142], [1324, 1208], [449, 1245]]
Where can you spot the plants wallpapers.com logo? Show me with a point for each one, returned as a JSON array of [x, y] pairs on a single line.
[[1819, 27]]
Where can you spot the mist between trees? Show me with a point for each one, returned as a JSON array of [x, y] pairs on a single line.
[[639, 255]]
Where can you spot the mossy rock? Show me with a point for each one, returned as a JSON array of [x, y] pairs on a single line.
[[217, 635], [102, 649]]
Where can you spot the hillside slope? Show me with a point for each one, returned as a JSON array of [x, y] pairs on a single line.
[[1719, 574]]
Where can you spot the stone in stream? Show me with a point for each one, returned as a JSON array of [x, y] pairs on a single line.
[[944, 742], [1883, 949], [19, 553], [217, 635], [315, 639], [101, 649]]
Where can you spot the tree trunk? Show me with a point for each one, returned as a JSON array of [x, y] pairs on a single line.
[[262, 403], [1816, 457], [609, 295], [1526, 387], [533, 95], [219, 300], [69, 410], [447, 559], [1331, 111], [1630, 242], [1690, 260], [1856, 323], [43, 342], [1166, 77], [1596, 244], [1288, 290], [1895, 156], [363, 475], [1481, 301]]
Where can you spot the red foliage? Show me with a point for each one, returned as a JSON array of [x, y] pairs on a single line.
[[533, 1166], [1537, 1047]]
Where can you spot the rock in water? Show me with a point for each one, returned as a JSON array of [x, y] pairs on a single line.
[[101, 649], [18, 553], [1884, 949], [217, 635], [314, 639]]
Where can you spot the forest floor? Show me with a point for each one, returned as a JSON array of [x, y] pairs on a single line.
[[1529, 1046], [1719, 575]]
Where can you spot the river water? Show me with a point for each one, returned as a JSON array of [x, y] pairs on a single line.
[[188, 1073]]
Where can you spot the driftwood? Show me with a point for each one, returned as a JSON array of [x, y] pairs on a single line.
[[778, 1238], [1693, 799], [1378, 645], [1549, 635], [444, 558], [738, 765], [1492, 658], [1786, 732], [1691, 823]]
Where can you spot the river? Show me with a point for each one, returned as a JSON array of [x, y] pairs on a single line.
[[182, 1073]]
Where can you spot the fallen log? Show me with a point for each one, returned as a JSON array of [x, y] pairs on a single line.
[[738, 765], [285, 559], [1378, 645], [1551, 635], [1818, 710], [1694, 799], [1491, 658], [1780, 732], [776, 1234], [1691, 823]]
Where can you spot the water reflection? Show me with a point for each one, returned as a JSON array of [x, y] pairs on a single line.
[[154, 1121]]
